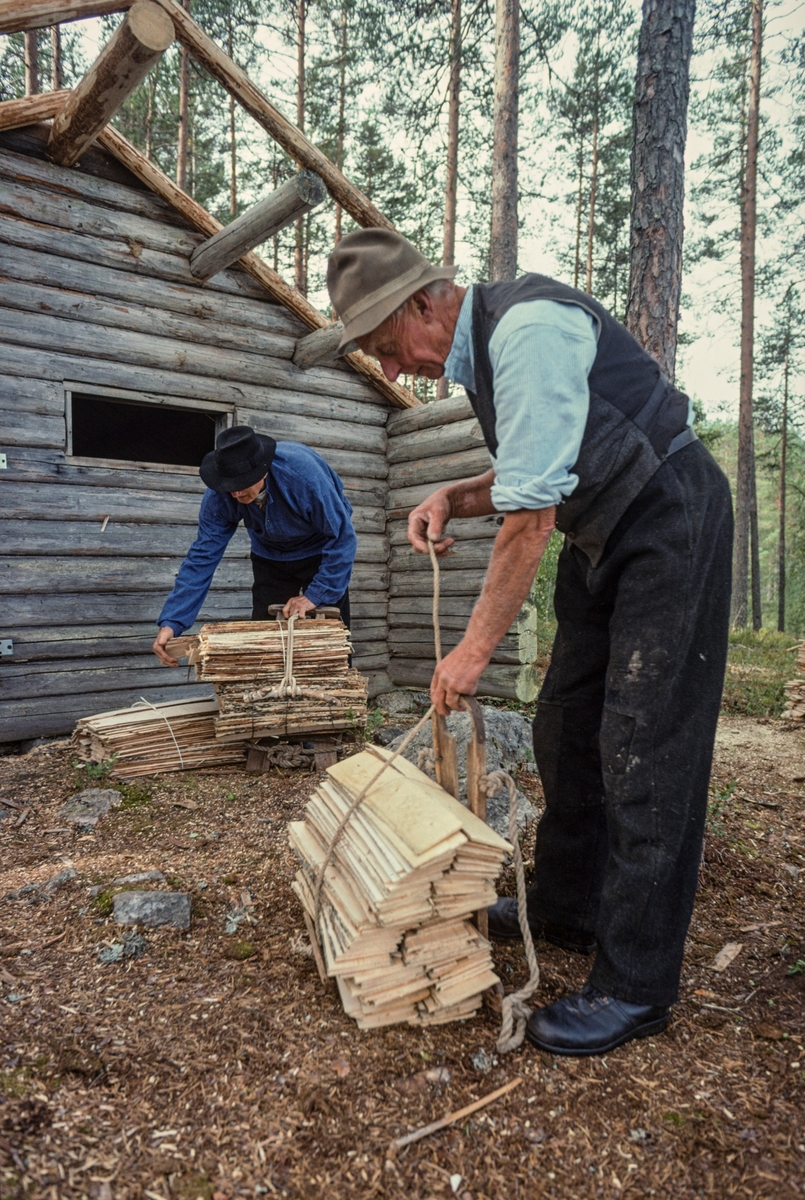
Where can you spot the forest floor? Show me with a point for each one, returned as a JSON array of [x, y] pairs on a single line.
[[217, 1066]]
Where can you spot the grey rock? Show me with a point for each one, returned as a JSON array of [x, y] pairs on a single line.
[[153, 908], [482, 1061], [87, 807], [133, 945], [384, 737], [56, 881], [140, 877], [396, 702], [508, 748]]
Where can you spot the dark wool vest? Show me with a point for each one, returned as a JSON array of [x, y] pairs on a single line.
[[635, 413]]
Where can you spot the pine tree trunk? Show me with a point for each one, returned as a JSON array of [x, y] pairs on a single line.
[[591, 223], [342, 100], [451, 173], [233, 153], [182, 146], [745, 485], [658, 176], [503, 241], [782, 499], [579, 206], [149, 116], [754, 542], [31, 44], [56, 70], [299, 258]]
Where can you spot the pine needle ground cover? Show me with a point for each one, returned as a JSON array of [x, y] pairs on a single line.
[[213, 1064]]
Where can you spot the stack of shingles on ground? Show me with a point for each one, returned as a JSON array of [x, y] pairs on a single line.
[[410, 868], [148, 738], [795, 692], [245, 661]]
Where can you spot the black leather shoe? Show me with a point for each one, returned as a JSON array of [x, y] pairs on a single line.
[[504, 925], [588, 1022]]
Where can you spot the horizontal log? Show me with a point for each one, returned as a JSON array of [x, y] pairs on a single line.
[[496, 681], [365, 647], [431, 443], [53, 716], [22, 168], [378, 682], [29, 109], [319, 433], [430, 416], [32, 429], [80, 642], [41, 331], [440, 469], [36, 14], [293, 200], [292, 140], [30, 362], [319, 345], [463, 556], [467, 529], [197, 216], [136, 46], [371, 662], [42, 611], [30, 464], [452, 583], [402, 500], [20, 574], [501, 656], [422, 606], [74, 677], [421, 620], [31, 396], [34, 536]]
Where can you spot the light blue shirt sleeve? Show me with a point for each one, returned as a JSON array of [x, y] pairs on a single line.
[[541, 353]]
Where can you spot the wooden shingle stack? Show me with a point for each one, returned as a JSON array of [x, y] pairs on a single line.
[[408, 872], [148, 738], [243, 660]]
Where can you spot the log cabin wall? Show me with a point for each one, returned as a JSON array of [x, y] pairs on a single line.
[[95, 291], [427, 447]]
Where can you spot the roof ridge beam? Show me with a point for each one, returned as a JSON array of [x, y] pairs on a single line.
[[15, 16], [293, 199], [137, 45], [27, 110]]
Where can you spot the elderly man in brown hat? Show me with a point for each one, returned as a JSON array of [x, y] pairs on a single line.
[[588, 436]]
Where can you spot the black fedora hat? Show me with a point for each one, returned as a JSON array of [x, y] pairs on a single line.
[[241, 458]]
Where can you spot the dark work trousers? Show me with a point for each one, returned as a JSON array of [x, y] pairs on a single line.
[[277, 582], [625, 727]]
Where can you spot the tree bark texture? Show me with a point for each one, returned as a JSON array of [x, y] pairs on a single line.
[[593, 193], [233, 153], [342, 98], [36, 14], [182, 144], [658, 176], [56, 71], [14, 114], [503, 241], [299, 256], [451, 173], [745, 483], [31, 62], [782, 495]]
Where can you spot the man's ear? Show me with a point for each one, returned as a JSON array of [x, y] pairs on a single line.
[[422, 302]]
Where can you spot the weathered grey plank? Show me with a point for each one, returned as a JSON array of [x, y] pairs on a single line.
[[32, 429], [421, 620], [318, 432], [48, 465], [26, 170], [23, 574], [422, 606], [430, 416], [36, 363], [503, 655], [439, 469], [463, 556], [495, 681], [51, 716], [452, 583], [30, 396], [76, 676], [430, 443], [57, 335], [471, 528], [371, 662]]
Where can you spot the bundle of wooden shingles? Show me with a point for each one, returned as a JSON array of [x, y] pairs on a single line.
[[795, 691], [245, 661], [406, 875]]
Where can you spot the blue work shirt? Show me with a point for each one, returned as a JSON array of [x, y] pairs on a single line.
[[306, 513]]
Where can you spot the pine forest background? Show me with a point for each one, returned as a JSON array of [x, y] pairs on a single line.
[[370, 82]]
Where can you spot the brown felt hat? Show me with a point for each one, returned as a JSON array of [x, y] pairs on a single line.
[[370, 273]]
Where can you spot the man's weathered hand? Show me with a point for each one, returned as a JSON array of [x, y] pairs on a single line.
[[428, 521], [165, 635], [297, 605], [455, 676]]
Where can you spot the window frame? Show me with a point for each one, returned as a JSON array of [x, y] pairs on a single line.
[[225, 417]]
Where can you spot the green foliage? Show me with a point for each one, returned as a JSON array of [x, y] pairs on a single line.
[[133, 796], [717, 806], [90, 774], [758, 668], [104, 902]]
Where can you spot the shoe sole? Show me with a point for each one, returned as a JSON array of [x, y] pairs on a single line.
[[642, 1031]]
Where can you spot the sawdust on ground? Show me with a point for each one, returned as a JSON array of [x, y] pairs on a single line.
[[216, 1066]]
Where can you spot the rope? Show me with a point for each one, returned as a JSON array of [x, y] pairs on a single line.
[[514, 1009], [288, 686], [170, 731]]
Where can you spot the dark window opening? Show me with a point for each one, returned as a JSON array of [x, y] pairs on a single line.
[[148, 433]]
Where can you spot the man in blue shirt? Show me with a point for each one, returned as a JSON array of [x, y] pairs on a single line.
[[299, 524], [587, 436]]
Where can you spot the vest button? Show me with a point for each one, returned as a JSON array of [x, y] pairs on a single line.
[[570, 536]]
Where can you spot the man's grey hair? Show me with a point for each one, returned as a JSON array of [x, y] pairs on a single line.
[[438, 289]]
